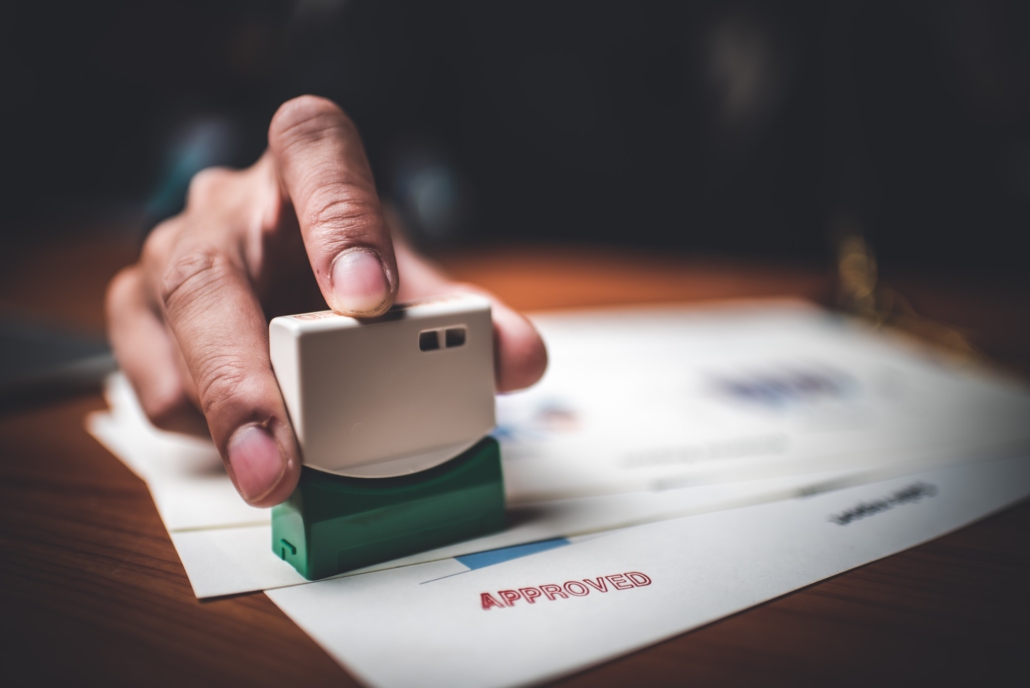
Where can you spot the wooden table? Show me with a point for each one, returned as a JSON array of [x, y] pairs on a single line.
[[93, 592]]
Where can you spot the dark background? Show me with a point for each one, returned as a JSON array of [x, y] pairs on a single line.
[[726, 127]]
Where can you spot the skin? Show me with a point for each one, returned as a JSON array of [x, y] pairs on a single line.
[[301, 228]]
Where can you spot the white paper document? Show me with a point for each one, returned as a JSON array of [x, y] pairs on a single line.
[[649, 398], [644, 414], [566, 608], [225, 545]]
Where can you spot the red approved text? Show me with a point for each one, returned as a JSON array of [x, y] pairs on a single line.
[[575, 588]]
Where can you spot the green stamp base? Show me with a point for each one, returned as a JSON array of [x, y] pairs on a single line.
[[332, 524]]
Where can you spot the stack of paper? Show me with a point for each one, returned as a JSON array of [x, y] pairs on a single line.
[[655, 419]]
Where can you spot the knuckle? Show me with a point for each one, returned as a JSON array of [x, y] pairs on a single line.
[[159, 243], [192, 278], [121, 290], [207, 185], [335, 212], [166, 407], [222, 383], [307, 117]]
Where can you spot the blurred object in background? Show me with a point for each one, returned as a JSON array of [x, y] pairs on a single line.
[[432, 195], [737, 127], [40, 362], [860, 293], [199, 144], [927, 112], [97, 96]]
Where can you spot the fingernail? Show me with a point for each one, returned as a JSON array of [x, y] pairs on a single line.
[[359, 282], [256, 462]]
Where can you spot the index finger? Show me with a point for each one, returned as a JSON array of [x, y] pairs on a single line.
[[324, 173]]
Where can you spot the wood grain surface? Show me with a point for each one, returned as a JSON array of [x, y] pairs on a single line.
[[92, 591]]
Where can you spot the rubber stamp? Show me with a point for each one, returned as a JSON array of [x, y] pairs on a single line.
[[392, 416]]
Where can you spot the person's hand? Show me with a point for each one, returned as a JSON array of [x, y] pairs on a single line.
[[300, 229]]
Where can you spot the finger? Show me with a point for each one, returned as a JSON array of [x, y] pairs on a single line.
[[221, 331], [325, 174], [147, 356], [520, 357]]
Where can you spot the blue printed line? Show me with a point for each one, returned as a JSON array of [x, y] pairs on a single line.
[[481, 560]]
